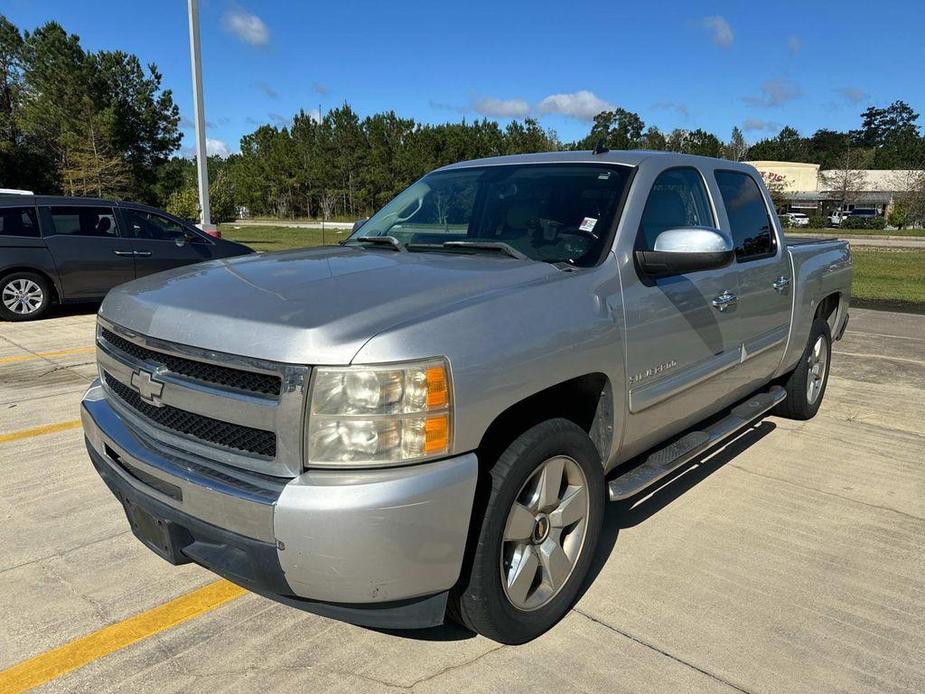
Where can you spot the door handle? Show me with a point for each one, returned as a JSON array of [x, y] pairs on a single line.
[[780, 284], [124, 253], [725, 300], [144, 254]]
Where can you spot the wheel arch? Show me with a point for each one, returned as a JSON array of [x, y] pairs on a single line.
[[585, 400], [55, 289]]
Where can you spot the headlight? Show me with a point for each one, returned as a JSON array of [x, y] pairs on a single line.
[[362, 416]]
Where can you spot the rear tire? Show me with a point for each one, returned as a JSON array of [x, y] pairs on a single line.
[[806, 384], [24, 296], [537, 538]]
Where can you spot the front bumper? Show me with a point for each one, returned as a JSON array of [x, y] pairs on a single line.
[[373, 547]]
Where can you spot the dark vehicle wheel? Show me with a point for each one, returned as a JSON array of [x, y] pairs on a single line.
[[806, 384], [24, 296], [537, 539]]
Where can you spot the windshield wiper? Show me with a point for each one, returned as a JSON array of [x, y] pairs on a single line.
[[380, 240], [499, 246]]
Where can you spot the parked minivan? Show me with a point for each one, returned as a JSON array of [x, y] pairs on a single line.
[[56, 249]]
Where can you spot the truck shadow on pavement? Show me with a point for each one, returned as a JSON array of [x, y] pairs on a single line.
[[629, 513]]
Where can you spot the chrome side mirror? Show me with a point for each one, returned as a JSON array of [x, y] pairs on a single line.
[[687, 249]]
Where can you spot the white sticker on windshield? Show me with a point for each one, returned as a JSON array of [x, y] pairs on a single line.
[[587, 224]]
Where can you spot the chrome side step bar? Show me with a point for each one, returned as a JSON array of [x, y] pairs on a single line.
[[677, 453]]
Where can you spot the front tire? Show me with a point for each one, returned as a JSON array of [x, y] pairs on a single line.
[[24, 296], [537, 539], [806, 384]]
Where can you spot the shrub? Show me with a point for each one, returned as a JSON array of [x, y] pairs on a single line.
[[785, 222], [899, 216], [184, 203], [818, 221], [869, 223]]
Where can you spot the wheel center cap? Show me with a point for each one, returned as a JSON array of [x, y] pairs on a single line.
[[540, 529]]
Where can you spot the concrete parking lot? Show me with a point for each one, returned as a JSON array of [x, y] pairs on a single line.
[[791, 560]]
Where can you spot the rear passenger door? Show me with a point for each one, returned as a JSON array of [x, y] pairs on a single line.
[[764, 275], [154, 240], [90, 254]]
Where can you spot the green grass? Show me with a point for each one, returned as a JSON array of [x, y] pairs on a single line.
[[892, 275], [848, 233], [896, 274], [275, 238]]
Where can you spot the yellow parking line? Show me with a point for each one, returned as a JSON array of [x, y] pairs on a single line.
[[39, 431], [58, 661], [45, 355]]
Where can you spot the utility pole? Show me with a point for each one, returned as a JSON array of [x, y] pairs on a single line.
[[199, 116]]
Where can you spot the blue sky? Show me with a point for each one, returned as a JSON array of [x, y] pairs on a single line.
[[707, 65]]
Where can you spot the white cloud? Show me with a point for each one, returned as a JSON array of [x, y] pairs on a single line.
[[583, 105], [676, 106], [279, 120], [267, 89], [852, 95], [320, 88], [759, 124], [315, 115], [500, 108], [794, 44], [246, 26], [720, 32], [775, 92], [216, 147]]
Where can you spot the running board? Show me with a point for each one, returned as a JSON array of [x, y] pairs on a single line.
[[676, 454]]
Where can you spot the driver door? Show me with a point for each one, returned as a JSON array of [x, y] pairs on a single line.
[[681, 350]]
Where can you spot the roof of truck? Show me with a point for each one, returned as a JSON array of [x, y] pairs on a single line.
[[633, 157]]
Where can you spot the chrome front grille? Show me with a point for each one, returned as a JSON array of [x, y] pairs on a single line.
[[235, 379], [233, 410], [236, 436]]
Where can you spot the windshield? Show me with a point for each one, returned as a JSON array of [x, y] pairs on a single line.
[[548, 212]]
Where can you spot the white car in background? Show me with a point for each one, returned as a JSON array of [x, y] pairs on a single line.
[[797, 219]]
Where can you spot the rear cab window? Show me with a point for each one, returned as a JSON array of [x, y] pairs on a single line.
[[749, 221], [82, 221], [18, 221]]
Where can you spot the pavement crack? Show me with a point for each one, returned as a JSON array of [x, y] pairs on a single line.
[[652, 647], [450, 668], [828, 493], [59, 555], [98, 607]]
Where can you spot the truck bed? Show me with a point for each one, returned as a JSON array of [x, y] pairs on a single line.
[[804, 240]]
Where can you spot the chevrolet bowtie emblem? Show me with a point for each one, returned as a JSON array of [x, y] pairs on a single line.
[[149, 389]]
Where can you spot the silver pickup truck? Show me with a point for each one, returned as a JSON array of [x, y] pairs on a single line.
[[426, 420]]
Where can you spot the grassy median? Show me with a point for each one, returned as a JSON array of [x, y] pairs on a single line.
[[894, 277]]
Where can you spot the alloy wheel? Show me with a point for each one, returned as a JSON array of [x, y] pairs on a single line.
[[22, 296], [817, 362], [545, 533]]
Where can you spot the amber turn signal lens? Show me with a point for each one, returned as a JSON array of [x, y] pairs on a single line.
[[437, 391], [436, 434]]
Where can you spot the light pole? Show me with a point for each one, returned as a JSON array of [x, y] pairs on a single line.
[[199, 116]]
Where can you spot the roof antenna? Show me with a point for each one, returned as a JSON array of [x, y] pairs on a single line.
[[600, 148]]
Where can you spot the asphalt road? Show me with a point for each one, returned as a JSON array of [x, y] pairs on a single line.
[[791, 560]]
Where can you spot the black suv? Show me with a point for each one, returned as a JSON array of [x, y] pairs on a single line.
[[62, 250]]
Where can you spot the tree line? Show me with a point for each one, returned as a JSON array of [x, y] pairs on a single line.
[[81, 123], [84, 123]]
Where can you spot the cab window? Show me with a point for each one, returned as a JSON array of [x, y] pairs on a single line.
[[83, 221], [18, 221], [748, 215], [678, 199], [148, 225]]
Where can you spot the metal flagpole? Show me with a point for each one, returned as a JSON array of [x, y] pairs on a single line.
[[199, 115]]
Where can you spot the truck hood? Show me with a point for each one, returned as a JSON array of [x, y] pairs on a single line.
[[314, 306]]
